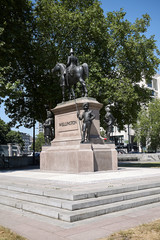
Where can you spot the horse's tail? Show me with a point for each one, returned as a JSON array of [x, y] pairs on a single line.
[[85, 70]]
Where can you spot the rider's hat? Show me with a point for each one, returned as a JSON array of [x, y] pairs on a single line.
[[85, 104], [71, 51]]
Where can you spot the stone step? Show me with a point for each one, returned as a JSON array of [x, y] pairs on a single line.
[[76, 195], [72, 216], [109, 208], [38, 190], [78, 204], [117, 197], [114, 190]]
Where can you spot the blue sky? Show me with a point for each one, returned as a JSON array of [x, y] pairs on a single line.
[[134, 9]]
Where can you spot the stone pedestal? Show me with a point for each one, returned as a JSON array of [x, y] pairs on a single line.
[[66, 153]]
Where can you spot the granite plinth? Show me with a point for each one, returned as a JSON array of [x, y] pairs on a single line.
[[68, 126], [79, 158], [66, 153]]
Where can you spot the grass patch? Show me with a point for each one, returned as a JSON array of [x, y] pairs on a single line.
[[149, 231], [6, 234], [147, 165]]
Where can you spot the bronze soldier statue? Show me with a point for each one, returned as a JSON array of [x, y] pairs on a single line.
[[71, 74], [71, 64], [109, 120], [87, 117], [48, 127]]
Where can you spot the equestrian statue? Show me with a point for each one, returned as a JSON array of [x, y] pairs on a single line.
[[70, 74]]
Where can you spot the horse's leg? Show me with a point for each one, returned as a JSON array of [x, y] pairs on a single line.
[[70, 95], [84, 87], [73, 93], [63, 93]]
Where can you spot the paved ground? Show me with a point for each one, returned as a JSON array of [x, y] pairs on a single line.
[[38, 228]]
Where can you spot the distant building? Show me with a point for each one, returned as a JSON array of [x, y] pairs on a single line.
[[4, 150], [10, 150], [153, 85], [40, 128], [125, 138], [27, 142]]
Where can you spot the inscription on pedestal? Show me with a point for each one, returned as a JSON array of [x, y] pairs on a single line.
[[70, 124], [64, 124]]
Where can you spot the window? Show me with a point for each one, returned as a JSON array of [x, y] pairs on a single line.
[[154, 83], [149, 83]]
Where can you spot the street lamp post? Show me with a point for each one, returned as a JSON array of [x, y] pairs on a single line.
[[128, 139], [34, 162]]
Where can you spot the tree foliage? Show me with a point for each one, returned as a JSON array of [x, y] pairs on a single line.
[[15, 138], [4, 129], [3, 69], [147, 128], [9, 136], [117, 51], [39, 142], [16, 24]]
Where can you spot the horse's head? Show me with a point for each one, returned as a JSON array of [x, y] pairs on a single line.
[[56, 68]]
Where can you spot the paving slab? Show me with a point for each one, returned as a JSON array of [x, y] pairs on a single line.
[[85, 178], [81, 181], [35, 227]]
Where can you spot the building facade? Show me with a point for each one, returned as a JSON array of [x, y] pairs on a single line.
[[125, 139], [27, 143], [40, 128]]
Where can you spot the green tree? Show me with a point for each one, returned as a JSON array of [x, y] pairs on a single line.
[[9, 136], [147, 128], [14, 137], [39, 142], [103, 133], [3, 69], [118, 53], [4, 129], [16, 30]]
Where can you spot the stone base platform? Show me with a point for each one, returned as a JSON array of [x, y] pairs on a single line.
[[79, 158], [69, 198], [66, 153]]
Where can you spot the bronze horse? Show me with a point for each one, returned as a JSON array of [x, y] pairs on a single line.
[[70, 79]]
